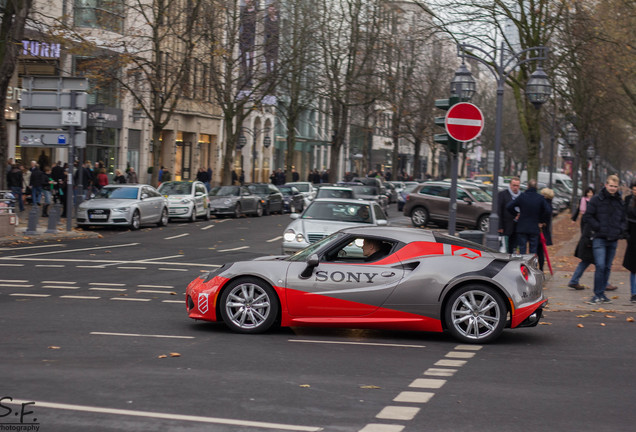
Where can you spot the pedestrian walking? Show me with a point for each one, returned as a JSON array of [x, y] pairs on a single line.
[[14, 181], [102, 179], [507, 222], [546, 229], [119, 177], [580, 210], [131, 177], [606, 216], [37, 180], [583, 249], [629, 261], [531, 210]]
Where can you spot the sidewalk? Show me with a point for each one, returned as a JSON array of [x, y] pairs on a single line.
[[565, 236], [22, 238]]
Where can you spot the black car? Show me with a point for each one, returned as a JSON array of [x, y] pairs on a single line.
[[293, 199], [271, 197]]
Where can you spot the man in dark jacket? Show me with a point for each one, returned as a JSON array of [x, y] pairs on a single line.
[[607, 219], [14, 181], [532, 210], [507, 222]]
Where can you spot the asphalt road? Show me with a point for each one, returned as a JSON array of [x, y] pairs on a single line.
[[95, 332]]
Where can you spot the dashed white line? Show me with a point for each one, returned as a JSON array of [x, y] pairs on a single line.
[[356, 343], [398, 413], [155, 286], [173, 269], [50, 265], [106, 284], [440, 372], [80, 297], [207, 227], [274, 239], [428, 383], [177, 236], [141, 335], [59, 282], [414, 397], [12, 265], [131, 299], [377, 427], [29, 295], [14, 280], [153, 292], [233, 249], [459, 354], [15, 286], [60, 287], [172, 301], [451, 363], [132, 268], [107, 289]]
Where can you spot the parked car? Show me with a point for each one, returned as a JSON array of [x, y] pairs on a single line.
[[325, 216], [131, 205], [271, 197], [391, 192], [234, 201], [306, 188], [408, 188], [421, 281], [335, 192], [186, 199], [293, 200], [373, 193], [430, 202]]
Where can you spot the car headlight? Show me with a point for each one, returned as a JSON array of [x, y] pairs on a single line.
[[121, 210], [290, 236]]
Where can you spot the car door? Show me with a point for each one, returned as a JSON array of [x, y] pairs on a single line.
[[199, 198], [150, 204], [275, 198], [466, 209], [340, 289], [438, 204], [247, 199]]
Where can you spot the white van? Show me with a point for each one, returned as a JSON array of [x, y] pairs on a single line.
[[557, 178]]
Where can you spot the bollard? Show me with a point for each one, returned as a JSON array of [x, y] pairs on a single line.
[[54, 217], [34, 215]]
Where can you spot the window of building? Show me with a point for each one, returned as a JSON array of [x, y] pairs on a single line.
[[103, 14]]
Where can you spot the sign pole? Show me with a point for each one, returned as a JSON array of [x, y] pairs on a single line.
[[70, 208]]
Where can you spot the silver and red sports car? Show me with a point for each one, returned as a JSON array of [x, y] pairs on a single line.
[[377, 277]]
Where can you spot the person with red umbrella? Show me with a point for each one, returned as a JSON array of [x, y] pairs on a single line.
[[546, 233]]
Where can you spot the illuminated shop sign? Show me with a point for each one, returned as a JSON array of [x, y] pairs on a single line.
[[40, 49]]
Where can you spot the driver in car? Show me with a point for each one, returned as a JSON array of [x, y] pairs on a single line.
[[372, 250]]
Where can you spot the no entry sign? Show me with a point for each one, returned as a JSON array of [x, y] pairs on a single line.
[[464, 122]]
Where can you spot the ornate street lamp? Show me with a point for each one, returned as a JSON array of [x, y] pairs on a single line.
[[463, 85]]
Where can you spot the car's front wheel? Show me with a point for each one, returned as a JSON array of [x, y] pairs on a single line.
[[249, 305], [193, 215], [135, 222], [483, 223], [259, 210], [163, 220], [475, 314], [237, 211], [419, 217]]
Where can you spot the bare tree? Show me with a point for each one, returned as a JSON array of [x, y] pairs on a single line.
[[14, 15]]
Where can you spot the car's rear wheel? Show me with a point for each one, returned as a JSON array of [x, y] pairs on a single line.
[[483, 223], [475, 314], [237, 211], [249, 305], [207, 214], [259, 209], [193, 215], [163, 220], [419, 217], [135, 222]]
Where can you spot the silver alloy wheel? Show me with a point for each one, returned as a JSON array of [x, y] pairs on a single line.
[[483, 224], [419, 217], [135, 223], [259, 209], [163, 220], [476, 315], [248, 306]]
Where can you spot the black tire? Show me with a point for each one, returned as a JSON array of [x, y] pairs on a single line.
[[237, 211], [207, 214], [483, 223], [249, 305], [163, 220], [266, 211], [475, 314], [193, 216], [135, 222], [420, 217]]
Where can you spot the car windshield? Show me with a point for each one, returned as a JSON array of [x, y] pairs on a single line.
[[339, 211], [301, 187], [479, 195], [285, 190], [225, 191], [175, 188], [365, 190], [259, 189], [335, 193], [305, 253], [118, 193]]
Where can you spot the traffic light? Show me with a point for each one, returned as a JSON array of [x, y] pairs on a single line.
[[446, 104]]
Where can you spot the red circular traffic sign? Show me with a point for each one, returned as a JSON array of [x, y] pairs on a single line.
[[464, 122]]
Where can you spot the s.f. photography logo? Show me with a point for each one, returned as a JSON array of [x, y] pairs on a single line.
[[17, 417]]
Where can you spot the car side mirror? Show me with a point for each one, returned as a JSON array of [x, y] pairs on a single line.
[[144, 196], [312, 262], [294, 215], [198, 193], [382, 222]]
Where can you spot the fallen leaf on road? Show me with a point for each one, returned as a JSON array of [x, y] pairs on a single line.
[[630, 319], [610, 316], [54, 347], [304, 385], [162, 356], [175, 355], [602, 324], [579, 325], [173, 293], [583, 316], [545, 323]]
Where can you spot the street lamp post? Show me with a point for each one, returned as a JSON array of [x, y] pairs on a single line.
[[267, 140], [538, 91]]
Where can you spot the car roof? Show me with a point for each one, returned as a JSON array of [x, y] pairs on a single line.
[[335, 188], [126, 185], [403, 234], [344, 200]]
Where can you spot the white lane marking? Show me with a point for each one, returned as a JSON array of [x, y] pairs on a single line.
[[172, 301], [60, 287], [377, 427], [130, 299], [93, 267], [155, 286], [141, 335], [80, 297], [116, 262], [451, 363], [167, 416], [15, 286], [106, 284], [428, 383], [50, 265], [12, 265], [460, 354], [469, 347], [414, 397], [58, 282], [34, 247], [153, 292], [107, 289], [207, 227], [233, 249], [440, 372], [173, 269], [274, 239], [132, 268], [356, 343], [398, 413], [70, 250], [29, 295], [177, 236], [14, 280]]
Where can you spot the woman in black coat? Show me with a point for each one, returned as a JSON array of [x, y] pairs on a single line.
[[548, 194], [629, 261]]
